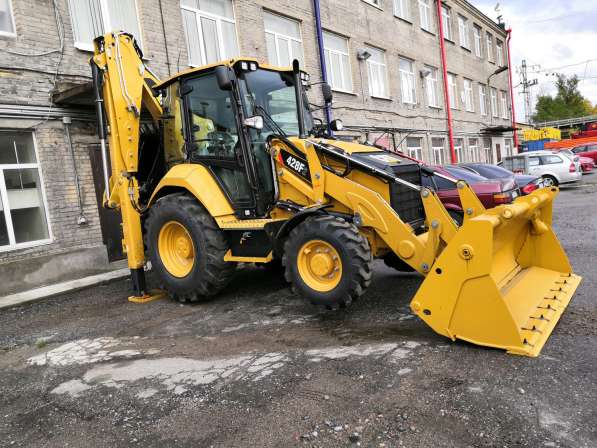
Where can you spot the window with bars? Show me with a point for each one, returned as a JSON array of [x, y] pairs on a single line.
[[23, 211], [283, 40], [7, 25], [402, 9], [425, 15], [210, 30], [447, 22], [452, 91], [463, 32], [431, 87], [378, 73], [469, 100], [337, 62], [408, 85], [478, 41], [92, 18]]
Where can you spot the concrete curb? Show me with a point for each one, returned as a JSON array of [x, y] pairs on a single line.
[[45, 292]]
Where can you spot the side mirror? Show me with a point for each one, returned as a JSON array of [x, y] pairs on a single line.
[[223, 77], [326, 90], [255, 122], [336, 125]]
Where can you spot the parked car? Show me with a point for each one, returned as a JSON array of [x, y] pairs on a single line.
[[526, 184], [573, 157], [553, 168], [586, 163], [491, 193], [589, 151]]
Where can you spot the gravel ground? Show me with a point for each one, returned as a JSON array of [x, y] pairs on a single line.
[[258, 367]]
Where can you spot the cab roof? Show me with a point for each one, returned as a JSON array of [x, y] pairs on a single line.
[[227, 63]]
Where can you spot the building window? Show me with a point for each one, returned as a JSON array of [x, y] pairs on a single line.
[[7, 24], [438, 148], [478, 41], [447, 22], [473, 150], [414, 148], [402, 9], [283, 40], [431, 87], [494, 103], [483, 99], [407, 81], [459, 149], [374, 2], [489, 40], [504, 101], [92, 18], [499, 53], [452, 91], [337, 62], [487, 151], [23, 216], [508, 147], [378, 73], [463, 32], [469, 100], [425, 15], [210, 30]]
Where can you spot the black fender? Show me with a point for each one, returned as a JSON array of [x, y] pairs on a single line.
[[278, 233]]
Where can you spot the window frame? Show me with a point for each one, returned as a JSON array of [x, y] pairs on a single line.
[[435, 87], [284, 36], [463, 32], [483, 100], [12, 244], [499, 53], [441, 149], [384, 68], [495, 112], [469, 95], [411, 75], [220, 35], [12, 21], [425, 5], [459, 149], [473, 150], [489, 47], [453, 91], [504, 104], [329, 61], [372, 3], [447, 24], [407, 13], [105, 20], [478, 40], [416, 149]]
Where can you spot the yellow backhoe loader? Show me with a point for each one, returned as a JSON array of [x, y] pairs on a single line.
[[225, 164]]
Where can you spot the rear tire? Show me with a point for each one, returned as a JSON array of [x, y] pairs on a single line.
[[550, 181], [186, 249], [327, 261]]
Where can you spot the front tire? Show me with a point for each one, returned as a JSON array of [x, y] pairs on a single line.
[[186, 248], [550, 181], [327, 261]]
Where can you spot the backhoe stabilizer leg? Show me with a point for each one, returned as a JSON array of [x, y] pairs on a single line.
[[141, 295]]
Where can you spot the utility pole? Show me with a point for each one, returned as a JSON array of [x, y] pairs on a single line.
[[526, 90]]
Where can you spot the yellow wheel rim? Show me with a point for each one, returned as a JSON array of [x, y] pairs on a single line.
[[319, 265], [176, 249]]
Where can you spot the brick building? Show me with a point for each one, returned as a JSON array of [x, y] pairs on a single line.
[[383, 61]]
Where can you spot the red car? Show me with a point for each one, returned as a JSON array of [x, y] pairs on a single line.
[[589, 151], [491, 192], [587, 164]]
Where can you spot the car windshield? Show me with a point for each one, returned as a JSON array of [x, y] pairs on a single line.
[[462, 174], [274, 93], [492, 171]]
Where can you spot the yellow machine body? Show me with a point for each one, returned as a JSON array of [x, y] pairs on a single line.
[[500, 280]]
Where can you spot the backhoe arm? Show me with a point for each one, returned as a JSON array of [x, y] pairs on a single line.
[[122, 87]]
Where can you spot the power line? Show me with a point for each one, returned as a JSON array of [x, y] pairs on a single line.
[[563, 16], [541, 70]]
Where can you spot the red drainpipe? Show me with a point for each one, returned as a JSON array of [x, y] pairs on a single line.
[[509, 31], [446, 87]]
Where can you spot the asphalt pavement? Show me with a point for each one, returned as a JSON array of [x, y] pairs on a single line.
[[258, 367]]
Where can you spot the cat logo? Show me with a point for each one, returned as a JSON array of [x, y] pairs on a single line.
[[245, 237]]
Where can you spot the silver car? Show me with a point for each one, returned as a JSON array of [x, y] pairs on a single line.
[[554, 169]]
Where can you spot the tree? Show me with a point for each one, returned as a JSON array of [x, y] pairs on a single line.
[[568, 102]]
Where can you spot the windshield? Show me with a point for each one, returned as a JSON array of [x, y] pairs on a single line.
[[273, 92]]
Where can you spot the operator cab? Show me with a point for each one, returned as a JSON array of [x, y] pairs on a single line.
[[228, 111]]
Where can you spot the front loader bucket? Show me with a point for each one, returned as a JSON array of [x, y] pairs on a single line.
[[502, 281]]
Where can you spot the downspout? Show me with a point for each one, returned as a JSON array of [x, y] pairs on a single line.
[[324, 76], [509, 31], [446, 87], [81, 220], [165, 38]]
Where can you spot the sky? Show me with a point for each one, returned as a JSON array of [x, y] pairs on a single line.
[[553, 36]]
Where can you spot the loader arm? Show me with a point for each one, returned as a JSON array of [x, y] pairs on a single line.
[[122, 87]]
